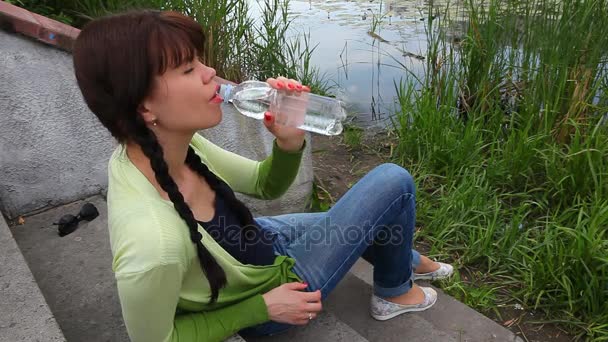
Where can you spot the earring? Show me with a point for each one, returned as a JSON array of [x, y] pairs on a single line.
[[154, 123]]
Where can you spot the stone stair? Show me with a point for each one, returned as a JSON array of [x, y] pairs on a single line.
[[73, 273], [25, 314]]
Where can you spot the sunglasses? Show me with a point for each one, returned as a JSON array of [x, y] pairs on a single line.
[[68, 223]]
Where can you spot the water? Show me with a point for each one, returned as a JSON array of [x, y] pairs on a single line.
[[364, 66], [319, 124], [253, 103], [308, 111]]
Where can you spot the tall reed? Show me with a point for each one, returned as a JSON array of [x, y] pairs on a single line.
[[508, 138]]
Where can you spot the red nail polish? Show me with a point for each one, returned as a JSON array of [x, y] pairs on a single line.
[[280, 85], [299, 87], [267, 116], [290, 86]]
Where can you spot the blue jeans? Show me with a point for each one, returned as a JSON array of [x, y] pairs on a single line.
[[375, 220]]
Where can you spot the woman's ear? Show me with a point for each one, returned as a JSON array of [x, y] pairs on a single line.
[[146, 114]]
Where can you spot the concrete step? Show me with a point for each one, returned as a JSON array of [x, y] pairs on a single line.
[[350, 302], [25, 315], [326, 328], [74, 275], [447, 320]]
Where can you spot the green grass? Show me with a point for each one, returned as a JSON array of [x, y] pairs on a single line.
[[506, 139], [320, 199], [478, 295], [353, 136], [78, 12]]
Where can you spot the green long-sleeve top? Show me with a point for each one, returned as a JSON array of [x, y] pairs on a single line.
[[163, 292]]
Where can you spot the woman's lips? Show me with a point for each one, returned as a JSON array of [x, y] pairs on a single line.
[[216, 97]]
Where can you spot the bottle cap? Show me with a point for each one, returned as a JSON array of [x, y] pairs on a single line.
[[225, 92]]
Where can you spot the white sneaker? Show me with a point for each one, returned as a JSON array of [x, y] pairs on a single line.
[[444, 271], [383, 309]]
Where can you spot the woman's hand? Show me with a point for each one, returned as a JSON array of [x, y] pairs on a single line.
[[289, 139], [289, 304]]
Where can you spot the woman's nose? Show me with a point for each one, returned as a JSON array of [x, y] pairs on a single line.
[[208, 74]]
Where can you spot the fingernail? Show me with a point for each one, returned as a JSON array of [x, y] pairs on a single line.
[[290, 86], [305, 284], [299, 87], [280, 85], [267, 116], [306, 88]]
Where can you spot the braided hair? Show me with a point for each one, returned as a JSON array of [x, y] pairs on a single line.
[[115, 61]]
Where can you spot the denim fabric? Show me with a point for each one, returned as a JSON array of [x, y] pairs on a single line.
[[375, 220]]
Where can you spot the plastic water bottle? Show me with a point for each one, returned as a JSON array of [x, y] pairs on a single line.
[[303, 110]]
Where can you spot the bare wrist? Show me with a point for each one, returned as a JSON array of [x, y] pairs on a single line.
[[290, 145]]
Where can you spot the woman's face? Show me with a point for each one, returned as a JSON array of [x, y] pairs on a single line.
[[183, 99]]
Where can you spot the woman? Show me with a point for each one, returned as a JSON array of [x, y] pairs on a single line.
[[191, 263]]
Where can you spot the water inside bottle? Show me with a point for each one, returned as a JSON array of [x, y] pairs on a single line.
[[321, 116], [316, 122], [255, 101]]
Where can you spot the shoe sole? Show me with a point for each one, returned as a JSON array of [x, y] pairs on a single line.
[[427, 277], [430, 276], [397, 313]]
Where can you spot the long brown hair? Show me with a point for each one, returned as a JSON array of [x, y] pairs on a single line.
[[115, 60]]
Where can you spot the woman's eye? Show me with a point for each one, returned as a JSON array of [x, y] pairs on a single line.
[[189, 70]]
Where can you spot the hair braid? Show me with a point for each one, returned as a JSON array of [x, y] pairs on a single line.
[[153, 150], [239, 208]]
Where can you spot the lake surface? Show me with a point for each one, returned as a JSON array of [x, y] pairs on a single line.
[[363, 67]]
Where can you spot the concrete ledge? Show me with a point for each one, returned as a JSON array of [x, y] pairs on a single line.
[[25, 313], [49, 31]]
